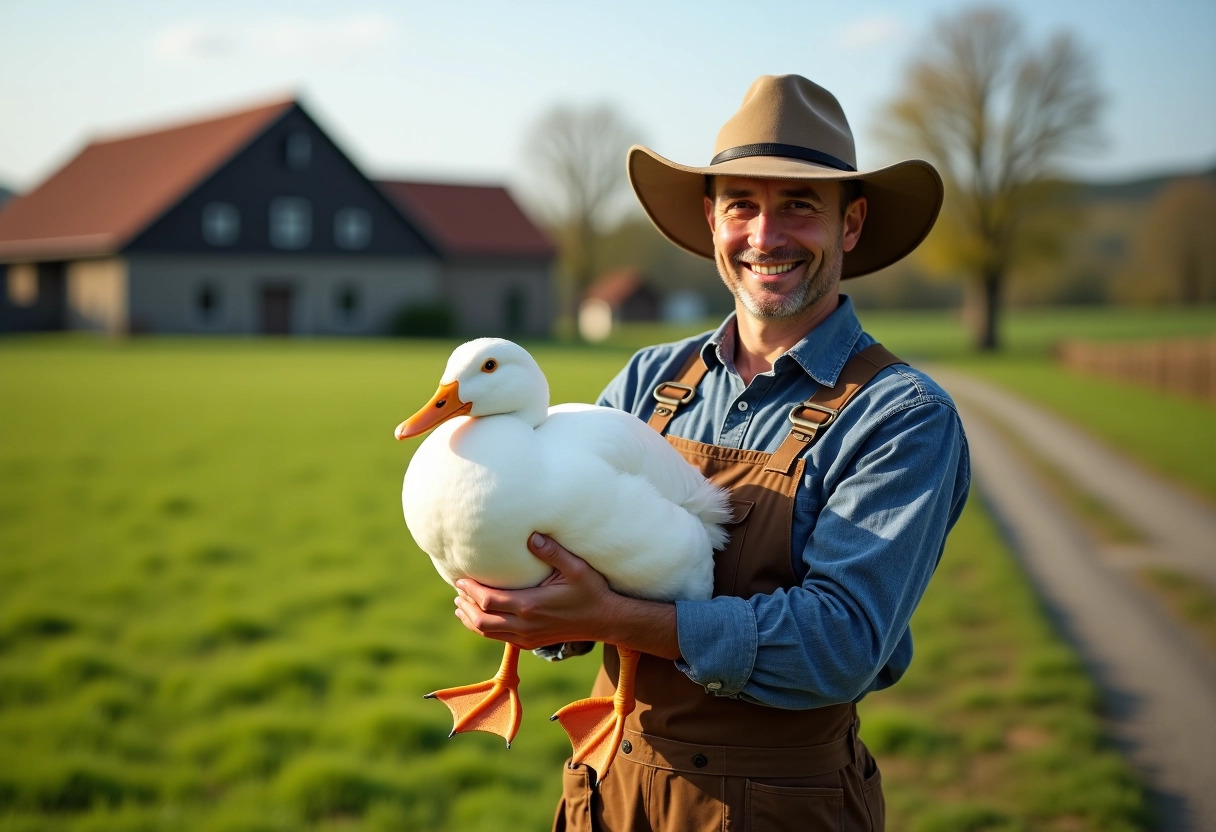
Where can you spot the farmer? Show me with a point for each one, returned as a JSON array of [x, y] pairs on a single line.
[[847, 469]]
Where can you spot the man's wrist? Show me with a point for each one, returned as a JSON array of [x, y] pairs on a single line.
[[648, 626]]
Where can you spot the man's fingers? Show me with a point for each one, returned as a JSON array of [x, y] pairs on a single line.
[[479, 620], [482, 596]]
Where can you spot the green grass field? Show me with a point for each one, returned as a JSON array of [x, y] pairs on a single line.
[[212, 617]]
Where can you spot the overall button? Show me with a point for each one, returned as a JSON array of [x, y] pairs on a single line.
[[626, 746], [700, 761], [742, 405]]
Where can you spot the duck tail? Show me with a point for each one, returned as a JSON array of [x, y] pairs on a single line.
[[711, 505]]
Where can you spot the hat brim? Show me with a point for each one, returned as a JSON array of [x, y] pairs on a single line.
[[902, 201]]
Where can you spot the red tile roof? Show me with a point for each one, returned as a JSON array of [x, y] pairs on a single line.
[[616, 286], [476, 220], [114, 188]]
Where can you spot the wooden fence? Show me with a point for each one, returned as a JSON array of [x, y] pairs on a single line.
[[1185, 366]]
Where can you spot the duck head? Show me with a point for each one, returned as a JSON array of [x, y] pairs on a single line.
[[485, 377]]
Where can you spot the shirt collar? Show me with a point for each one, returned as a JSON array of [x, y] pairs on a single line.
[[821, 354]]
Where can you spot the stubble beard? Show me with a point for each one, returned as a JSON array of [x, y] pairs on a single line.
[[815, 284]]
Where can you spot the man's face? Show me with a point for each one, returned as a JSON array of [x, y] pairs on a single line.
[[780, 244]]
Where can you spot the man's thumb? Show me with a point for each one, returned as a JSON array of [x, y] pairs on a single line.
[[543, 547]]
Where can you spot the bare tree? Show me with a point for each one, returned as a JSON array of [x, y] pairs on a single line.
[[576, 164], [996, 115]]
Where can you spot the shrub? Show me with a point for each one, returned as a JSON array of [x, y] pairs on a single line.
[[424, 320]]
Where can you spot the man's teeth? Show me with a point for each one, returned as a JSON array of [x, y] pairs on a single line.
[[771, 270]]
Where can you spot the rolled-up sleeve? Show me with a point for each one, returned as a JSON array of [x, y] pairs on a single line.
[[889, 498]]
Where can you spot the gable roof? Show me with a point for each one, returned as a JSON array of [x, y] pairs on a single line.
[[470, 220], [619, 285], [114, 188]]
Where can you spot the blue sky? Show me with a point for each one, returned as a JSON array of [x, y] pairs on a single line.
[[448, 90]]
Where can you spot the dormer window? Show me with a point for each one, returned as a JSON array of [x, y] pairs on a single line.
[[221, 223], [352, 228], [297, 150], [290, 222]]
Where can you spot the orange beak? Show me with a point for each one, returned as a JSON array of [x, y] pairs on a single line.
[[443, 406]]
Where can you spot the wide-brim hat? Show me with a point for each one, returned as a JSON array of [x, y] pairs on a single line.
[[791, 128]]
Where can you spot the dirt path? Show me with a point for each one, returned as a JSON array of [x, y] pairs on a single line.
[[1158, 682]]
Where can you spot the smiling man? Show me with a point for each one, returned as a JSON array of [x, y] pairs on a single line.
[[847, 469]]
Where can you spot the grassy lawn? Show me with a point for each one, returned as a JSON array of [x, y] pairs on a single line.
[[212, 617]]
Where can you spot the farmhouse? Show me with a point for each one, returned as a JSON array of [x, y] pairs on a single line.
[[256, 222]]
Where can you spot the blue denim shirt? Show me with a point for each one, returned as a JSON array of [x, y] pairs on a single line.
[[882, 487]]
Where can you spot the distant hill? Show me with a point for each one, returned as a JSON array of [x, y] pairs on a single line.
[[1138, 190]]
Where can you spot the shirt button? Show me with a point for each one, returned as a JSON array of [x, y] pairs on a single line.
[[626, 746], [743, 405], [714, 686], [700, 761]]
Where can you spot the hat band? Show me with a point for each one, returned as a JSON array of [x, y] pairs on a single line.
[[791, 151]]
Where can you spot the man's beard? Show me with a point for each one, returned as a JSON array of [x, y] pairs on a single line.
[[816, 283]]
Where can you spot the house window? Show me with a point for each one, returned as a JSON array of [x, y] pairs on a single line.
[[346, 303], [221, 223], [23, 284], [352, 228], [297, 150], [290, 222], [207, 304]]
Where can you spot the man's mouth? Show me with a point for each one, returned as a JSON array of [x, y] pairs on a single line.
[[769, 270]]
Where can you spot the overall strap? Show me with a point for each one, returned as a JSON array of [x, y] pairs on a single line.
[[820, 410], [671, 394]]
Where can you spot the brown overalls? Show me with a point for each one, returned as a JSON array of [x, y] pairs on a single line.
[[692, 761]]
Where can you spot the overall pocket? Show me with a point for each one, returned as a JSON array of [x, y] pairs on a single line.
[[780, 808], [574, 810]]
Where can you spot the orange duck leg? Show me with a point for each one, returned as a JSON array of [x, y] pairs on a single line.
[[491, 706], [596, 725]]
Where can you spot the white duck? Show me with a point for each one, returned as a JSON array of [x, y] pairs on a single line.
[[500, 464]]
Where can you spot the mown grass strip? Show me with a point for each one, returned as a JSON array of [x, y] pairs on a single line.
[[1191, 601]]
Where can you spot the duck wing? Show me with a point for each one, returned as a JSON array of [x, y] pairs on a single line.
[[626, 502], [630, 446]]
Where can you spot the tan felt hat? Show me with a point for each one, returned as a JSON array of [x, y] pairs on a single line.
[[791, 128]]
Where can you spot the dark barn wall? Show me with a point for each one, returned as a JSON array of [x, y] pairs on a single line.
[[261, 173]]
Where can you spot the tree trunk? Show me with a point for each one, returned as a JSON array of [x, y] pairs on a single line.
[[988, 317]]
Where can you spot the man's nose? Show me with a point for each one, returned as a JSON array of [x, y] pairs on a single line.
[[766, 233]]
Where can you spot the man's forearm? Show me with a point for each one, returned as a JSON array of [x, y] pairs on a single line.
[[648, 626]]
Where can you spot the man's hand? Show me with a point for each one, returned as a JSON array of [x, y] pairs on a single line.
[[574, 603], [564, 607]]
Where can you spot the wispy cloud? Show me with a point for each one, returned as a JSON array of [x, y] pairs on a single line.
[[283, 37], [869, 32]]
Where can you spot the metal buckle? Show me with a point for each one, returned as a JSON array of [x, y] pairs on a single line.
[[671, 401], [807, 426]]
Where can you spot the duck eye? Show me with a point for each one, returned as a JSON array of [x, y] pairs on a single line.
[[490, 366]]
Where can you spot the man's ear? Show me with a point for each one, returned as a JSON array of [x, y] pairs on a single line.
[[709, 214], [854, 219]]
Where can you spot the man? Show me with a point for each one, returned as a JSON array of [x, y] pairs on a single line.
[[847, 469]]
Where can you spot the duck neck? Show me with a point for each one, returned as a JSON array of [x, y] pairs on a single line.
[[534, 406], [535, 412]]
